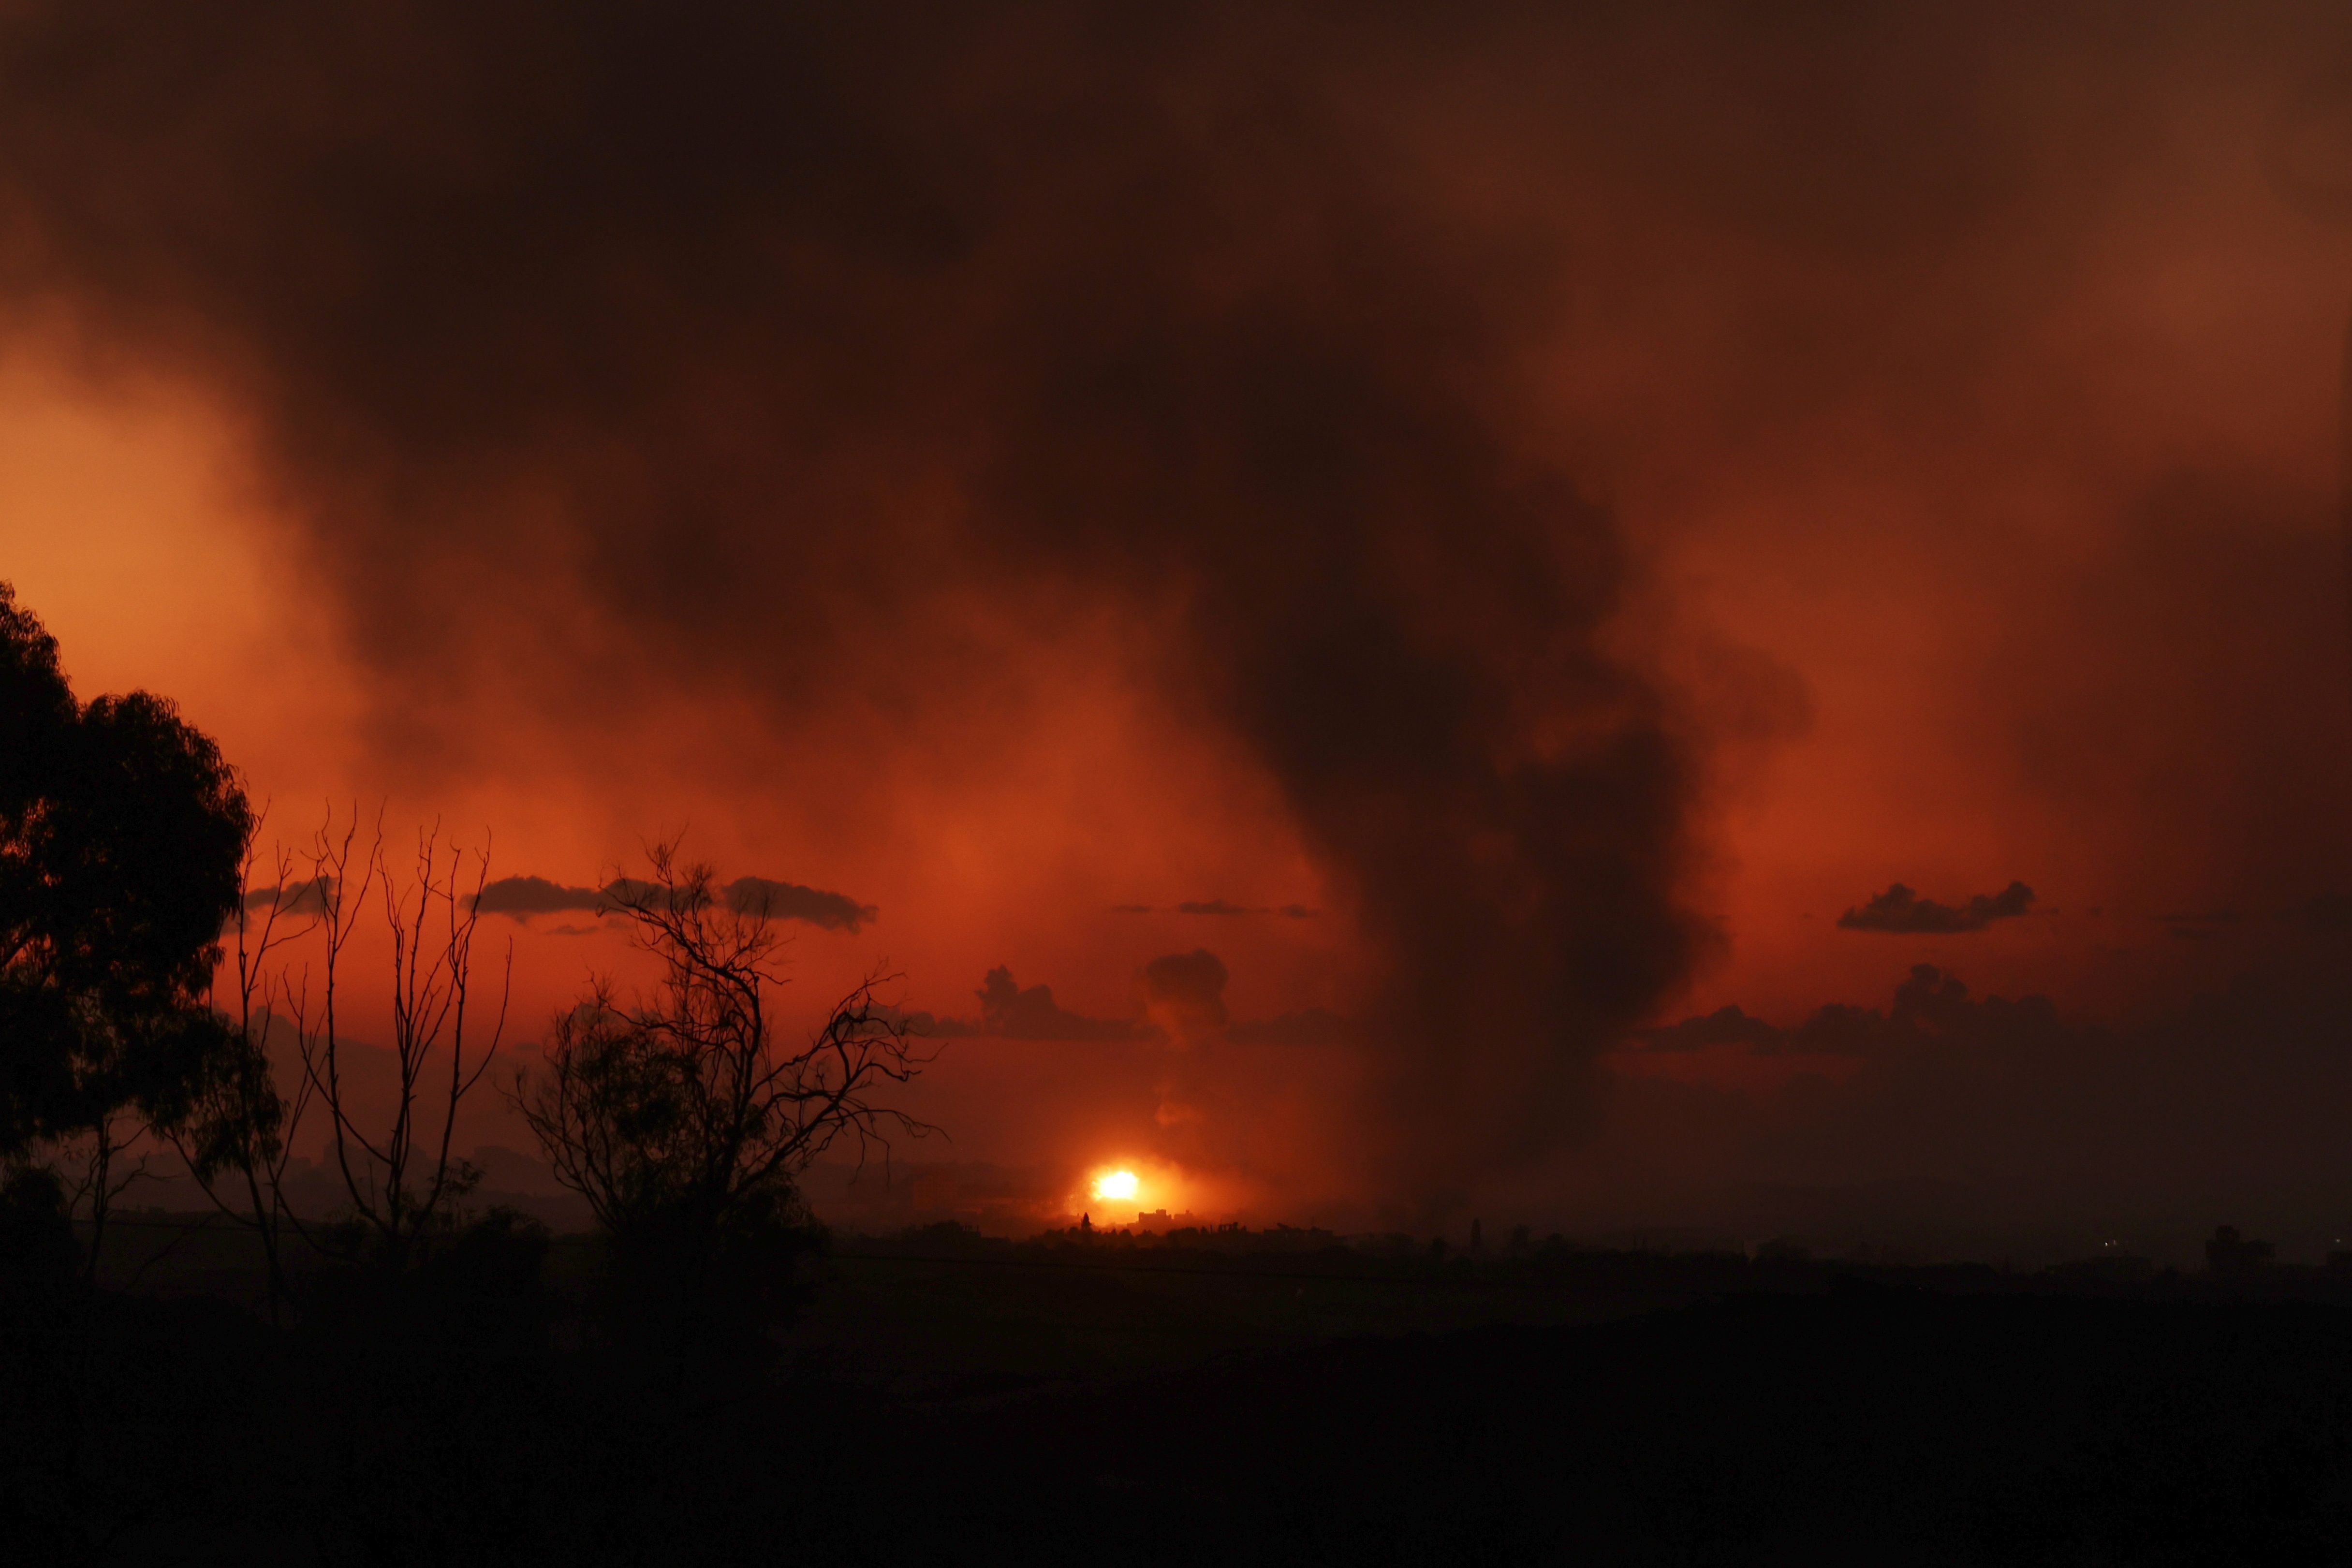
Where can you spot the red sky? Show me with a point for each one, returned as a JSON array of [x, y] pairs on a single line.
[[1960, 397]]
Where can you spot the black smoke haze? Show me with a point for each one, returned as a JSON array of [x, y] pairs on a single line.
[[1955, 1121], [774, 323], [1160, 307]]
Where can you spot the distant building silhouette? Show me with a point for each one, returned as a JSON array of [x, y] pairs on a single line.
[[2230, 1254]]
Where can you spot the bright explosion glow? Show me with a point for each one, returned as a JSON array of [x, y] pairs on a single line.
[[1115, 1183]]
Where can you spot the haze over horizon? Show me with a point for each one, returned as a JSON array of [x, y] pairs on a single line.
[[1546, 615]]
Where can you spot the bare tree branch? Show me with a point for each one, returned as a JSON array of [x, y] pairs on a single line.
[[240, 1124], [683, 1104], [401, 1180]]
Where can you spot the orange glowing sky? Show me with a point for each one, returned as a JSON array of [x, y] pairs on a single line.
[[1986, 538]]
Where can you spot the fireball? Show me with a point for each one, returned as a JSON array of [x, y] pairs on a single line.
[[1119, 1184]]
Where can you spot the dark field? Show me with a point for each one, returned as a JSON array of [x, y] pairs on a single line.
[[943, 1398]]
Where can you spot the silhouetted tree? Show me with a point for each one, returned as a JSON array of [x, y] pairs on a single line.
[[399, 1179], [681, 1119], [121, 831], [402, 1183], [237, 1130]]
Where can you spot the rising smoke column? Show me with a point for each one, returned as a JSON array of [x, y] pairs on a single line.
[[1403, 624], [691, 302]]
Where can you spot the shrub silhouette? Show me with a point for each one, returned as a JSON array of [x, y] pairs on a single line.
[[37, 1248], [685, 1123]]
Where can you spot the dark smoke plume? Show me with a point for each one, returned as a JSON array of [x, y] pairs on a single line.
[[1903, 912], [704, 309], [628, 351]]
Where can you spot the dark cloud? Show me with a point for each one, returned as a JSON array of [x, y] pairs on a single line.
[[1184, 995], [791, 900], [1931, 1002], [305, 898], [1220, 907], [1183, 1001], [1010, 1010], [524, 896], [1725, 1026], [924, 1022], [1900, 910], [1195, 979]]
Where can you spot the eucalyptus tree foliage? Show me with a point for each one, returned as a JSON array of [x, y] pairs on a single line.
[[122, 833]]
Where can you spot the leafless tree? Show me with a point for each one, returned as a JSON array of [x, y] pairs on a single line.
[[682, 1109], [401, 1179], [238, 1134], [103, 1178], [397, 1171]]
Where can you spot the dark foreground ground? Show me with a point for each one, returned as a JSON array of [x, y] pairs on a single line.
[[938, 1403]]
